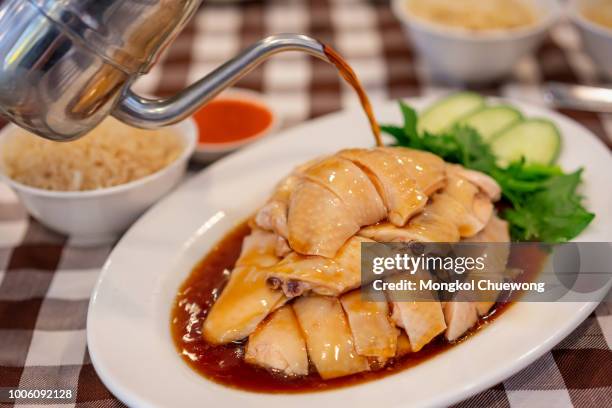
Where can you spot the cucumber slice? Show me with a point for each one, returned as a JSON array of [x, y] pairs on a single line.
[[492, 119], [448, 110], [537, 140]]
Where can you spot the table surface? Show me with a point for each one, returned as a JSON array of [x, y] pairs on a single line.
[[45, 283]]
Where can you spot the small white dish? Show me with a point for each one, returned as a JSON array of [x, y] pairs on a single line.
[[128, 323], [99, 216], [597, 40], [209, 152], [459, 55]]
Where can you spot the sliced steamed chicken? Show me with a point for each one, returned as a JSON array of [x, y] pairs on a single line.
[[322, 204], [486, 184], [349, 183], [335, 199], [468, 207], [422, 320], [475, 191], [278, 344], [319, 222], [495, 248], [273, 215], [246, 299], [460, 316], [424, 167], [297, 274], [492, 243], [429, 226], [403, 344], [399, 178], [373, 331], [496, 230], [401, 194], [329, 340], [307, 245], [459, 210]]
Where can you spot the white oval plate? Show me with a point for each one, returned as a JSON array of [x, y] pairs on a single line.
[[128, 322]]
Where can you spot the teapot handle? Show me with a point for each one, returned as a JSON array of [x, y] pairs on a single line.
[[153, 113]]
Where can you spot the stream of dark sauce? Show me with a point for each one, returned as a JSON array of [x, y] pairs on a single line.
[[225, 365], [351, 78]]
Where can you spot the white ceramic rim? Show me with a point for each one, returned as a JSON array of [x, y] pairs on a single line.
[[575, 14], [551, 16], [190, 138], [255, 98]]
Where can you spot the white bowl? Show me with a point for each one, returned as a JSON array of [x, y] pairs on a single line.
[[464, 56], [209, 152], [597, 40], [98, 216]]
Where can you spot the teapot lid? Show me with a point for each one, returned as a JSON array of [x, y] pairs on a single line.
[[129, 34]]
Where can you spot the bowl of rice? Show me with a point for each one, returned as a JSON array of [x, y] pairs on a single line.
[[475, 41], [94, 188], [593, 18]]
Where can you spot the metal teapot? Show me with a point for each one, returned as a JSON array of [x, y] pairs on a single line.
[[67, 64]]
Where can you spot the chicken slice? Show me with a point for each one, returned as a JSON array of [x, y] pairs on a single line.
[[319, 206], [278, 344], [374, 334], [422, 320], [496, 230], [282, 247], [427, 169], [459, 210], [486, 183], [403, 344], [433, 225], [392, 178], [298, 274], [246, 299], [352, 186], [495, 255], [273, 215], [319, 223], [425, 227], [328, 337], [323, 203], [460, 316], [462, 201]]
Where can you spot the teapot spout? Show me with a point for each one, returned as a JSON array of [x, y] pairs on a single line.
[[152, 113]]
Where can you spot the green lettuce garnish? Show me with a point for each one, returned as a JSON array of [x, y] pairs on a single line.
[[543, 202]]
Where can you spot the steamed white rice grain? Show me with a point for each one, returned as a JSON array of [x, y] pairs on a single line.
[[112, 154]]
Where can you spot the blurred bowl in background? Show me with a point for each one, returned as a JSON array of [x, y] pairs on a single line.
[[234, 119], [462, 55], [596, 38], [93, 217]]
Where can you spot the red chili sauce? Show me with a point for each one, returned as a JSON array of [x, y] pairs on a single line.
[[229, 119]]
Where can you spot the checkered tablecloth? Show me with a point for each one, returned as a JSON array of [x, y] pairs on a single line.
[[45, 283]]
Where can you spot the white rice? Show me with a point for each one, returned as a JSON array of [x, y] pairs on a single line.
[[477, 15], [110, 155]]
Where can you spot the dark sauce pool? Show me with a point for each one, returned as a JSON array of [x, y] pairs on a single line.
[[224, 364]]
